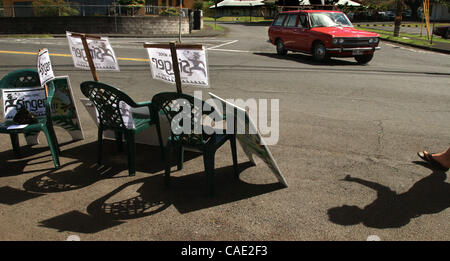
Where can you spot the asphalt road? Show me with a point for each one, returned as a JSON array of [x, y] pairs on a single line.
[[336, 120]]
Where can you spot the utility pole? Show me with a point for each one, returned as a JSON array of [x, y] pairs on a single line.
[[398, 17]]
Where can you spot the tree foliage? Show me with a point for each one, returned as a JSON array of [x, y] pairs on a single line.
[[131, 2], [53, 8]]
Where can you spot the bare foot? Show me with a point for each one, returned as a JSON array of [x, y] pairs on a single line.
[[442, 158]]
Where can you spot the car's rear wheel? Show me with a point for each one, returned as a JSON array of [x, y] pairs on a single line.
[[320, 52], [281, 50], [363, 59]]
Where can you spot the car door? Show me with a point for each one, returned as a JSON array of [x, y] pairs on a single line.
[[301, 34], [276, 28], [289, 31]]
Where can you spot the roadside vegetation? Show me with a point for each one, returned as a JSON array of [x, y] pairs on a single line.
[[238, 19], [412, 39]]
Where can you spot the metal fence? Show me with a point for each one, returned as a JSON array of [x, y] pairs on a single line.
[[37, 10]]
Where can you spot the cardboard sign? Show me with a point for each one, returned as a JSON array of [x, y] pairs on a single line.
[[192, 64], [102, 53], [252, 144], [32, 98], [148, 136], [44, 67], [64, 109]]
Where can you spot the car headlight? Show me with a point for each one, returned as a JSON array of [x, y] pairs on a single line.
[[338, 40], [373, 40]]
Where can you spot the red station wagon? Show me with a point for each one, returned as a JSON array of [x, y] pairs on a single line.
[[323, 34]]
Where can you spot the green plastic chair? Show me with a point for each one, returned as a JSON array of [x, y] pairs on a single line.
[[30, 78], [171, 104], [107, 100]]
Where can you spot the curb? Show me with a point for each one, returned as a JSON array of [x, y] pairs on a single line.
[[439, 50]]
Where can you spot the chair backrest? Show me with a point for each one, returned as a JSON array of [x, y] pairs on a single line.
[[107, 100], [20, 78], [26, 78], [171, 104]]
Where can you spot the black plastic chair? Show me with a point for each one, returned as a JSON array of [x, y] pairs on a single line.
[[171, 104], [107, 100]]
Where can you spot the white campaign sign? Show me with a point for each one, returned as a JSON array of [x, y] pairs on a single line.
[[192, 64], [101, 51], [32, 98], [44, 67]]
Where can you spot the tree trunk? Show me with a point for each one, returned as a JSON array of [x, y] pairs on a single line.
[[398, 17]]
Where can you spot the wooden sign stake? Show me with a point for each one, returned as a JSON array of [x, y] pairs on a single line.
[[173, 51], [88, 52]]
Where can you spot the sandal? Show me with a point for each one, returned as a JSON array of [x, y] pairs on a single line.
[[426, 156]]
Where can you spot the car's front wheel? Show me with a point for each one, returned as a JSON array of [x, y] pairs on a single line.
[[281, 50], [320, 52], [363, 59]]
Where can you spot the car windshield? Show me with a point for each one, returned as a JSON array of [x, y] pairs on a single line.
[[329, 19]]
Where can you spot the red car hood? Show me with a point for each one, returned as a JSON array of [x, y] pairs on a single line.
[[344, 32]]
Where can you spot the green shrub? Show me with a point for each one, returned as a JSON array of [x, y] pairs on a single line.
[[53, 8]]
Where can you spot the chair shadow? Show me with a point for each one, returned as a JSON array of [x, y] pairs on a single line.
[[187, 193], [308, 59], [392, 210], [15, 166], [83, 171]]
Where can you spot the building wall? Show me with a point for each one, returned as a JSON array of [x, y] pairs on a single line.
[[144, 25]]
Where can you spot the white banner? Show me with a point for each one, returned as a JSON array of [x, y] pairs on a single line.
[[192, 64], [44, 67], [101, 51], [32, 98]]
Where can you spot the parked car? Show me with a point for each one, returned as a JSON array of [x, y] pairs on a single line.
[[443, 31], [323, 34]]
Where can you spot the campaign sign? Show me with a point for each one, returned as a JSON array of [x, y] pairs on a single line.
[[101, 51], [44, 67], [192, 64], [32, 98], [64, 110], [252, 144]]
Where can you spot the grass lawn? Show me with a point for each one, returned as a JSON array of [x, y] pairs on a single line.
[[407, 38], [239, 19], [212, 27], [26, 36]]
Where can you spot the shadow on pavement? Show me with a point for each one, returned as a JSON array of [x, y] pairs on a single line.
[[391, 210], [76, 221], [84, 170], [308, 59], [13, 166], [187, 193], [148, 196], [11, 196]]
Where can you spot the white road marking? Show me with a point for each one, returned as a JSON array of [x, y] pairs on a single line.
[[220, 45], [227, 50]]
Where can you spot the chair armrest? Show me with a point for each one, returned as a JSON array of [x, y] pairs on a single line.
[[142, 104]]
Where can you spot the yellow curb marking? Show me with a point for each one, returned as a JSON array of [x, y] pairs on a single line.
[[68, 55]]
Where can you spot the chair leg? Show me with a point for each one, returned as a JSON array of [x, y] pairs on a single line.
[[168, 152], [55, 139], [208, 161], [234, 154], [119, 140], [100, 145], [15, 144], [161, 145], [51, 144], [131, 147], [180, 157]]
